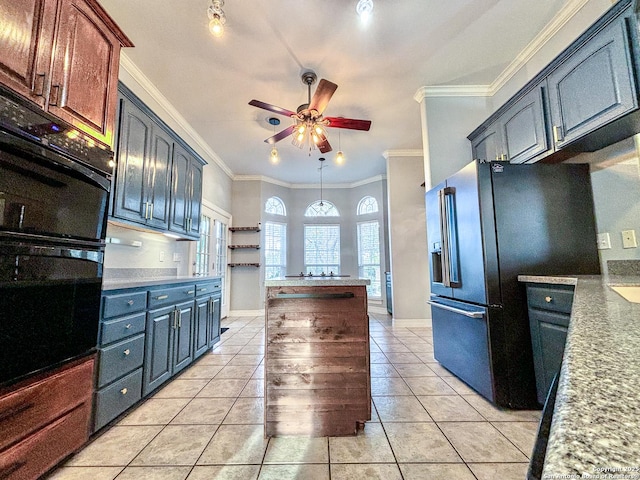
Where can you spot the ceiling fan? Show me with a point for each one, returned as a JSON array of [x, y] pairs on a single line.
[[309, 123]]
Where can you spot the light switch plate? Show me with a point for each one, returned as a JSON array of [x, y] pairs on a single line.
[[629, 239], [604, 241], [177, 257]]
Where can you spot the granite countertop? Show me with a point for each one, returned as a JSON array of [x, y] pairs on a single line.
[[596, 420], [327, 281], [118, 283]]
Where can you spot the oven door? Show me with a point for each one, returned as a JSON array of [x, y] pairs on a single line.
[[49, 306], [44, 193]]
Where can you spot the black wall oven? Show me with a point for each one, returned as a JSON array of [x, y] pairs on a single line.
[[54, 192]]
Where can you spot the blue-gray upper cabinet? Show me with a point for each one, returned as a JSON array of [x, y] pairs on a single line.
[[487, 144], [186, 193], [518, 134], [593, 86], [143, 168], [523, 128]]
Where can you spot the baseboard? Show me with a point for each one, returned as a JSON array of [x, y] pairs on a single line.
[[412, 322], [377, 309], [245, 313]]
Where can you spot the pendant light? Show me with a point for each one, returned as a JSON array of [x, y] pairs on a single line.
[[322, 159], [274, 158], [339, 155], [217, 18]]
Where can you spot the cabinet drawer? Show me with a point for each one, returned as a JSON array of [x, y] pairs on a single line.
[[557, 298], [116, 398], [119, 359], [123, 304], [169, 296], [114, 330], [40, 452], [27, 409], [209, 288]]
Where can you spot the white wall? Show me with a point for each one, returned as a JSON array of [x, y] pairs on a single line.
[[407, 237]]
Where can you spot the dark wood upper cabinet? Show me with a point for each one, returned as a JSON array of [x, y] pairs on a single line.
[[64, 56], [26, 36]]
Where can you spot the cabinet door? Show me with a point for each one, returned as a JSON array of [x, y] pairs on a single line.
[[179, 185], [133, 152], [159, 178], [523, 128], [25, 46], [183, 341], [214, 319], [158, 348], [195, 198], [593, 86], [487, 146], [85, 71], [201, 332]]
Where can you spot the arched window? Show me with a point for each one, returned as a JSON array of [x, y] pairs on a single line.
[[368, 204], [321, 208], [275, 206]]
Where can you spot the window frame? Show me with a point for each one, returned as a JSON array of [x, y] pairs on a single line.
[[374, 290], [282, 266], [312, 267]]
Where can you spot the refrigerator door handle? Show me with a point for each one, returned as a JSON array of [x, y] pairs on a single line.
[[444, 237], [466, 313]]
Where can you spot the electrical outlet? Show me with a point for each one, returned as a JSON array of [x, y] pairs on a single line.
[[604, 241], [161, 256], [629, 239], [177, 257]]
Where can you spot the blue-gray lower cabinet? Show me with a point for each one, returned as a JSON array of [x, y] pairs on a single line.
[[158, 348], [121, 346], [549, 308]]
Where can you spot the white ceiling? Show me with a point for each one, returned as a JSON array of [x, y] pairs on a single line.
[[267, 44]]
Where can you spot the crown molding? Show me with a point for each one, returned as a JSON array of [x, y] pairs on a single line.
[[452, 91], [146, 84], [403, 153], [567, 12], [262, 178]]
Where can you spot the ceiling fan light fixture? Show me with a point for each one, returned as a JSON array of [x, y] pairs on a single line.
[[217, 18]]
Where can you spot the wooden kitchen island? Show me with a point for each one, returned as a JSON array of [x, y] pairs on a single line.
[[317, 378]]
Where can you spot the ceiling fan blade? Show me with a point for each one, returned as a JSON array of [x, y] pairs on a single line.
[[280, 135], [322, 95], [323, 145], [271, 108], [350, 123]]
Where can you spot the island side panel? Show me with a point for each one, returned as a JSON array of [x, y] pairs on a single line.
[[317, 374]]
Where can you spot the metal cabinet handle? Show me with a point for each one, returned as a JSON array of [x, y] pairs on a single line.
[[202, 289], [161, 297], [130, 302], [127, 326], [548, 299], [456, 310], [151, 210], [127, 352], [190, 292], [557, 134], [124, 391]]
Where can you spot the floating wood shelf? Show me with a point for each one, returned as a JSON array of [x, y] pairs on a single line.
[[244, 265], [233, 247], [245, 229]]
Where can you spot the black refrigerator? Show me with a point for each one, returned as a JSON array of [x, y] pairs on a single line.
[[487, 224]]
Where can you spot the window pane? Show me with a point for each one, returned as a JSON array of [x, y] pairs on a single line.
[[275, 206], [321, 209], [369, 256], [275, 250], [322, 249], [367, 205], [203, 252]]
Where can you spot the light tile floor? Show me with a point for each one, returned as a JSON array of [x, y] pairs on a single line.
[[207, 423]]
